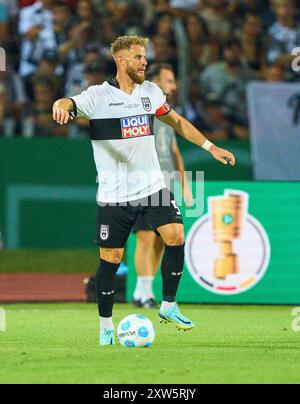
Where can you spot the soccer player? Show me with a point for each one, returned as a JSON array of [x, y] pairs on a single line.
[[149, 247], [121, 113]]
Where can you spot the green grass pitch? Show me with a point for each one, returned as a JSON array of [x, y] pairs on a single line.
[[58, 343]]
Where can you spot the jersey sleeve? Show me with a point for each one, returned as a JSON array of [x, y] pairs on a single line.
[[162, 107], [86, 102]]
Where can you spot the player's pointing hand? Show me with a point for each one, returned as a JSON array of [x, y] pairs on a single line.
[[62, 111], [61, 116], [222, 155]]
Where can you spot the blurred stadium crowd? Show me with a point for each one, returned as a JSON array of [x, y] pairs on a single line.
[[58, 48]]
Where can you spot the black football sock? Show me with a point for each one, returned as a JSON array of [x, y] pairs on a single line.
[[106, 280], [171, 270]]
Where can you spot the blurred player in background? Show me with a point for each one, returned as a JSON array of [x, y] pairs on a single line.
[[149, 248], [121, 113]]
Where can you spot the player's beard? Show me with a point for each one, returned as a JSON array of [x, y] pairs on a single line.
[[133, 74]]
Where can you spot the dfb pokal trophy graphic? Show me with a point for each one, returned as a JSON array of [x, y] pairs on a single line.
[[228, 214]]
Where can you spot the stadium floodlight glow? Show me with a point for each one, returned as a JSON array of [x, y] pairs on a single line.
[[2, 320], [2, 60]]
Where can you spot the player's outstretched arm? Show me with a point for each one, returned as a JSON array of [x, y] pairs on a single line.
[[62, 110], [188, 131]]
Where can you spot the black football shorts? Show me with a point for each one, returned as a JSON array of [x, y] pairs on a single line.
[[140, 224], [115, 221]]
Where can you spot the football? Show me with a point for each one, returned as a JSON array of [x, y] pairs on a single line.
[[136, 331]]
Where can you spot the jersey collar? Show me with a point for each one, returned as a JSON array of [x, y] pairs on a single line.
[[113, 82]]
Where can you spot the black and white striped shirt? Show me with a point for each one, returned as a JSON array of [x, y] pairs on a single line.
[[122, 135]]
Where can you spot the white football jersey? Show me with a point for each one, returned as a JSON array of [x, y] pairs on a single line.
[[123, 139]]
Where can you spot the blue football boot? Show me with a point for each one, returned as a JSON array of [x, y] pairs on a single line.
[[173, 315], [107, 337]]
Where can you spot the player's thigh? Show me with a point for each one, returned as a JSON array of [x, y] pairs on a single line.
[[146, 238], [172, 234], [165, 218], [159, 245]]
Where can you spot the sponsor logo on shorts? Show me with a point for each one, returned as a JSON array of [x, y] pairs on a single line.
[[104, 232], [135, 126]]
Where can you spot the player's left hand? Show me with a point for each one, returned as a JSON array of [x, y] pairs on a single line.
[[222, 155]]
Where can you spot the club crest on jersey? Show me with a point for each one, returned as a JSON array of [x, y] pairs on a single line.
[[135, 126], [104, 232], [146, 103]]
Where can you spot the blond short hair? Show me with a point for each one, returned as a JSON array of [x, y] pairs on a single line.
[[125, 42], [277, 3]]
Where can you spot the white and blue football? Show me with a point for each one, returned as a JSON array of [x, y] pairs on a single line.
[[136, 331]]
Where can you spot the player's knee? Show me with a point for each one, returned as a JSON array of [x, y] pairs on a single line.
[[175, 239], [114, 256]]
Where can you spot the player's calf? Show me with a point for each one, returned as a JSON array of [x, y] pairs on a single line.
[[105, 288], [171, 270]]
